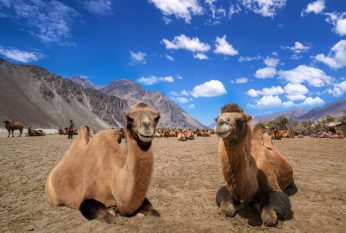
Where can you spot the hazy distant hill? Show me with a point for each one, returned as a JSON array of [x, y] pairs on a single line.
[[335, 109], [34, 96]]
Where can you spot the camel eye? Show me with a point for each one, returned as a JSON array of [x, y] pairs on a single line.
[[157, 118], [239, 122], [216, 118]]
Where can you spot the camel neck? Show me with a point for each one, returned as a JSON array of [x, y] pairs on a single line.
[[238, 167], [135, 176]]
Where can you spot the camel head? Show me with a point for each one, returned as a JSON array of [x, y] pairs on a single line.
[[232, 122], [142, 121]]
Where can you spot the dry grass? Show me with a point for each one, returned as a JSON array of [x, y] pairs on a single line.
[[186, 177]]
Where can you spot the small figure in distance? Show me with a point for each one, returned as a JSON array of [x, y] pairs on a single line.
[[70, 130]]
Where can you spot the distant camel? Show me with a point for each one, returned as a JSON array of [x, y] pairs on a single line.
[[35, 132], [98, 179], [254, 170], [12, 126]]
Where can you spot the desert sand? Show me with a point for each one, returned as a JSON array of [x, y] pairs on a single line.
[[186, 178]]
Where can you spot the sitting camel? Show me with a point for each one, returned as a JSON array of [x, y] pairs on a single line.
[[254, 170], [97, 178], [35, 132], [12, 126]]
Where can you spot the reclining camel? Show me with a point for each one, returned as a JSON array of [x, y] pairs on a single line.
[[254, 170], [97, 178], [35, 132], [12, 126]]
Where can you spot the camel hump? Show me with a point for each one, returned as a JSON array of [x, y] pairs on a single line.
[[231, 108], [261, 134]]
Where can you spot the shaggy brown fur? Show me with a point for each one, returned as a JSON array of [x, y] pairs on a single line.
[[12, 126], [254, 170], [97, 178], [35, 132]]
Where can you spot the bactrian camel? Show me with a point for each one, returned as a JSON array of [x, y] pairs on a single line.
[[254, 170], [98, 179], [12, 126]]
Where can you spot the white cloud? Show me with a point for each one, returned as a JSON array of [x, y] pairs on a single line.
[[179, 77], [234, 9], [240, 80], [209, 89], [99, 7], [223, 47], [267, 72], [138, 57], [185, 93], [180, 8], [269, 101], [338, 89], [20, 55], [315, 7], [216, 12], [150, 80], [271, 61], [169, 57], [274, 90], [183, 100], [312, 101], [248, 59], [174, 93], [191, 106], [185, 42], [299, 47], [295, 91], [337, 56], [200, 56], [314, 76], [339, 22], [50, 21], [266, 8]]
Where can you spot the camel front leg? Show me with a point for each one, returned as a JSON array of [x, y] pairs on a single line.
[[9, 132], [225, 202], [12, 132], [147, 209], [279, 206]]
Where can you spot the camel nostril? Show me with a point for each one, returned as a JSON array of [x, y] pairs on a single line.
[[146, 124]]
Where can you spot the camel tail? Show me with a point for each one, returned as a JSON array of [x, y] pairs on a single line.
[[92, 209]]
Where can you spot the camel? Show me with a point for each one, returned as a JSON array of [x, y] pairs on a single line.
[[35, 132], [99, 178], [181, 136], [254, 170], [12, 126]]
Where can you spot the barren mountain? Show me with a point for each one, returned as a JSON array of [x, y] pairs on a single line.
[[37, 98]]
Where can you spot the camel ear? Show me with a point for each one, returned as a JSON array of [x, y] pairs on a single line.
[[248, 117]]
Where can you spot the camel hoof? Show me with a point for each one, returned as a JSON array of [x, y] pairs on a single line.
[[108, 218], [228, 209], [154, 213], [269, 217]]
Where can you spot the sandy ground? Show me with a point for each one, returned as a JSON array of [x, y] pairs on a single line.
[[186, 177]]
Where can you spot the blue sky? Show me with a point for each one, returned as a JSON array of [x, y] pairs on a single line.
[[265, 55]]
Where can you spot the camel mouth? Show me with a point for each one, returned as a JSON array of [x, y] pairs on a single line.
[[223, 133], [145, 138]]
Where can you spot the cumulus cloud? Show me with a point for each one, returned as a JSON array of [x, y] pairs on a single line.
[[223, 47], [312, 101], [266, 8], [271, 61], [20, 55], [138, 57], [179, 8], [337, 56], [98, 7], [269, 101], [183, 100], [152, 79], [200, 56], [50, 21], [314, 7], [295, 92], [299, 47], [240, 80], [338, 89], [313, 76], [267, 72], [187, 43], [338, 21], [274, 90], [209, 89]]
